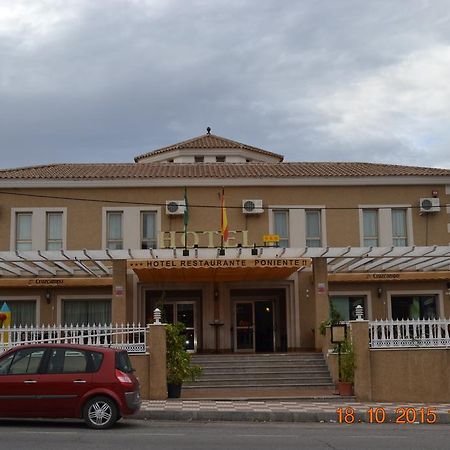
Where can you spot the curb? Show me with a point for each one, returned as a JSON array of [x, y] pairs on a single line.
[[268, 416]]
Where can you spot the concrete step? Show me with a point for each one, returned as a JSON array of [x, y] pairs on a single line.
[[260, 366], [262, 375], [286, 372], [272, 384], [264, 370]]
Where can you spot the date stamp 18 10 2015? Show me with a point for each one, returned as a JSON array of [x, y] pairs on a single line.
[[401, 415]]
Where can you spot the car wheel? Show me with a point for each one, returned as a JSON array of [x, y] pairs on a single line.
[[100, 413]]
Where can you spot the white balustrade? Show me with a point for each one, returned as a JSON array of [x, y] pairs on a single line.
[[130, 337], [410, 333]]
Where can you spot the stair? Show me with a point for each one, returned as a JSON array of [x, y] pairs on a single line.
[[271, 375]]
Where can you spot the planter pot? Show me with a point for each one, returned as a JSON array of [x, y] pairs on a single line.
[[173, 390], [345, 388]]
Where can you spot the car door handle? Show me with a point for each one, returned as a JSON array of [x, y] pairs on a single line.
[[79, 381], [30, 381]]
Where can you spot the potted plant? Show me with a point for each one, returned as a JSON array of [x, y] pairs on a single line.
[[347, 368], [178, 360]]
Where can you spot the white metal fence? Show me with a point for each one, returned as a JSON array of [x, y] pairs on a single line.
[[424, 333], [130, 337]]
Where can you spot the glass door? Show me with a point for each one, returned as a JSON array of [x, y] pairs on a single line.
[[244, 336], [183, 312]]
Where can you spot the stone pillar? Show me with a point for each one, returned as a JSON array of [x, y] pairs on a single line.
[[363, 371], [321, 302], [119, 292], [156, 338]]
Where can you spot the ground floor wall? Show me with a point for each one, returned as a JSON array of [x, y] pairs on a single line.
[[298, 310], [410, 375]]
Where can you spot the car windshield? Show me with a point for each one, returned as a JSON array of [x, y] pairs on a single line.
[[123, 362]]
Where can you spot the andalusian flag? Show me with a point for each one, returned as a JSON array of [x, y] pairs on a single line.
[[224, 219]]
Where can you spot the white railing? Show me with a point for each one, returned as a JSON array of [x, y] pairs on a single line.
[[425, 333], [130, 337]]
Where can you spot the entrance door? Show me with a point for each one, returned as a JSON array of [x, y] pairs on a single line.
[[254, 326], [264, 326], [244, 337], [184, 312]]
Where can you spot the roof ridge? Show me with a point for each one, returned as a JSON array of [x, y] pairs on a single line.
[[203, 136]]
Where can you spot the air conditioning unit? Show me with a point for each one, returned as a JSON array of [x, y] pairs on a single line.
[[429, 205], [252, 206], [175, 207]]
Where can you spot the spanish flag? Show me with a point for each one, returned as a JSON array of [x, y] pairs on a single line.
[[224, 219]]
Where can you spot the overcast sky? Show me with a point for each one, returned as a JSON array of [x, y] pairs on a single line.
[[314, 80]]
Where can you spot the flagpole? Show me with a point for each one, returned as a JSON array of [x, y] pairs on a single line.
[[221, 216], [185, 217]]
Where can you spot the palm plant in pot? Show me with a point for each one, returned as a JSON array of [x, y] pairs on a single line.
[[178, 361], [347, 368]]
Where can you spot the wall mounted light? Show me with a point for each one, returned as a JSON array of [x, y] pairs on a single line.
[[380, 292], [48, 297]]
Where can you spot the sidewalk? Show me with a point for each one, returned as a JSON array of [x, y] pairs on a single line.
[[294, 411]]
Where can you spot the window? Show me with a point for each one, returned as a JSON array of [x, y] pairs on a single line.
[[414, 307], [86, 312], [370, 227], [148, 229], [23, 231], [345, 306], [114, 239], [281, 226], [199, 159], [26, 361], [130, 227], [220, 158], [64, 360], [399, 234], [313, 229], [54, 231], [23, 312], [38, 228]]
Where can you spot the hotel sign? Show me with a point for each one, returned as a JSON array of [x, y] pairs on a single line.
[[274, 263], [209, 239]]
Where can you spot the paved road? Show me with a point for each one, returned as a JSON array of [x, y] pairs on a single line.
[[134, 434]]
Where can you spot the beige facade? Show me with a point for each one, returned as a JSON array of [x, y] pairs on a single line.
[[218, 308]]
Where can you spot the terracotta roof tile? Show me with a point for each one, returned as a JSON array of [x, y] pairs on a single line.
[[216, 170], [208, 141]]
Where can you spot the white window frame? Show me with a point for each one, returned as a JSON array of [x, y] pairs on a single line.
[[108, 238], [319, 237], [366, 294], [47, 239], [131, 224], [38, 227], [84, 297], [297, 223], [437, 292], [385, 238]]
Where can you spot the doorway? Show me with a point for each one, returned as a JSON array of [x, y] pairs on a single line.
[[178, 306], [254, 326]]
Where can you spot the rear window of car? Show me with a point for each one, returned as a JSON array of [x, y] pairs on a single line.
[[65, 360], [123, 362]]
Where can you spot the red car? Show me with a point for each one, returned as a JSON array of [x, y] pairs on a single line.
[[71, 381]]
